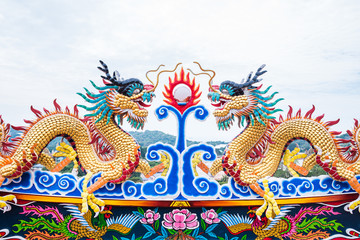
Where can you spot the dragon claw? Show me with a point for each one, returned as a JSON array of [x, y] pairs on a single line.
[[289, 161], [65, 150], [195, 161], [88, 198], [350, 207], [4, 206], [165, 159], [270, 206]]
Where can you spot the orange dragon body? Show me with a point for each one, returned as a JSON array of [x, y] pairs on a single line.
[[97, 141], [256, 153]]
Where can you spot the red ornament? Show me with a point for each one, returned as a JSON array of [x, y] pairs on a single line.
[[182, 93]]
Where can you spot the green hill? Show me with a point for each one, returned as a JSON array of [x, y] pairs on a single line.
[[147, 137], [150, 137]]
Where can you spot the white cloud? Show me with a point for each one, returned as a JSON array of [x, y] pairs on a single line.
[[50, 50]]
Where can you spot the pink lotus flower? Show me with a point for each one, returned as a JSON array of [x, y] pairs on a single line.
[[180, 220], [210, 216], [149, 217]]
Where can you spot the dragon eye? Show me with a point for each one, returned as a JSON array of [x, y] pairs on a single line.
[[225, 91], [137, 91]]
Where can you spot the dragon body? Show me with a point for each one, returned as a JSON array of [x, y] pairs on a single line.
[[257, 151], [97, 141], [61, 123]]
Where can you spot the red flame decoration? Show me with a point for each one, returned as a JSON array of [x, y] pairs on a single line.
[[182, 93]]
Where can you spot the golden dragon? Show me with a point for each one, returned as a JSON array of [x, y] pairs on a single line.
[[97, 141], [257, 151]]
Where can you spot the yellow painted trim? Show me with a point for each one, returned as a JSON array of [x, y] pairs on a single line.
[[258, 202], [209, 203], [180, 204]]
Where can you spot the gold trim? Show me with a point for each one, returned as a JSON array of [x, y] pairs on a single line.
[[209, 203], [258, 202], [180, 204]]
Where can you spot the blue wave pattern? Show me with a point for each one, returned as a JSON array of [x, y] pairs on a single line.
[[55, 184], [200, 186], [163, 186], [180, 182]]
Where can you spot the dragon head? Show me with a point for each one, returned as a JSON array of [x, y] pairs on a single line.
[[120, 97], [242, 100]]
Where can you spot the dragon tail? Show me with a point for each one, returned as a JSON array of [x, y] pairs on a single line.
[[323, 210], [49, 227], [304, 228], [311, 224], [318, 235], [55, 228], [34, 223], [39, 211], [38, 235]]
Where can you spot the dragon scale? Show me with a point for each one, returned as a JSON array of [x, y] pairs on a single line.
[[98, 142], [40, 133], [284, 132], [257, 151]]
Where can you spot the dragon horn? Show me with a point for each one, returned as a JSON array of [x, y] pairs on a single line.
[[117, 76], [108, 77], [250, 81]]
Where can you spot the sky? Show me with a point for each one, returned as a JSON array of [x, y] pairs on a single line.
[[50, 49]]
